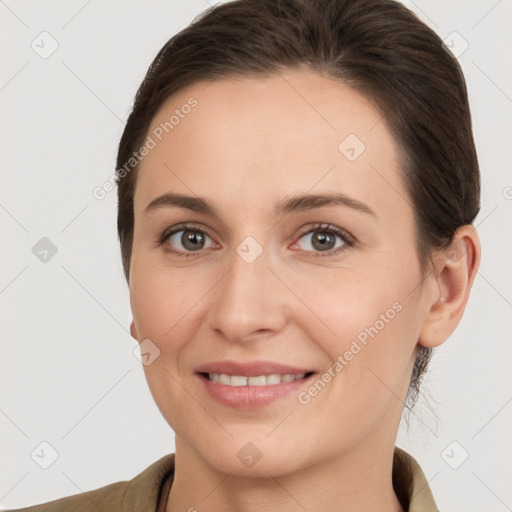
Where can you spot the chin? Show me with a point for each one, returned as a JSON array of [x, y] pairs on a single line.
[[275, 464], [239, 456]]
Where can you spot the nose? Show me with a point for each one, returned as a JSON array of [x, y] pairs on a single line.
[[249, 302]]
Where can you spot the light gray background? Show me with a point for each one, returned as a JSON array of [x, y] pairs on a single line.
[[68, 373]]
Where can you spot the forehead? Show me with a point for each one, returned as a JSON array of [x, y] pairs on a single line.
[[242, 140]]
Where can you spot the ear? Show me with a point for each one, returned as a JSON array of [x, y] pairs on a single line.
[[133, 331], [451, 282]]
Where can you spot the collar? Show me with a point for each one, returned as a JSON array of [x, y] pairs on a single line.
[[150, 489]]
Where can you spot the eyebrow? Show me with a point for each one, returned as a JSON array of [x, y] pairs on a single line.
[[287, 205]]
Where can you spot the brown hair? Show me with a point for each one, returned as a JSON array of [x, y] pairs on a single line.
[[379, 48]]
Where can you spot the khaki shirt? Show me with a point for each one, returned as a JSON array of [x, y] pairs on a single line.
[[148, 491]]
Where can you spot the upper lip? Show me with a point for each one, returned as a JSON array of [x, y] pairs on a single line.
[[250, 369]]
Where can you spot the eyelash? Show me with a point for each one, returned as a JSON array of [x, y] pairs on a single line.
[[347, 238]]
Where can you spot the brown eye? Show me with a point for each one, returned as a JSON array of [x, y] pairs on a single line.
[[188, 240], [324, 239]]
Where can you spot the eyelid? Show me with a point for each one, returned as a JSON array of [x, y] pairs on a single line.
[[182, 227], [343, 233]]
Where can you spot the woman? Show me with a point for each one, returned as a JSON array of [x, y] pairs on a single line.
[[297, 184]]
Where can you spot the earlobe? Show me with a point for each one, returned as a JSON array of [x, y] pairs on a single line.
[[133, 331], [456, 270]]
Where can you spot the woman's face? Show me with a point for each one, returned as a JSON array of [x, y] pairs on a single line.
[[253, 278]]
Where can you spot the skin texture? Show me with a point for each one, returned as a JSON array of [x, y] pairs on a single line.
[[249, 143]]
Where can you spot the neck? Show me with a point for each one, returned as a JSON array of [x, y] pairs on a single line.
[[357, 480]]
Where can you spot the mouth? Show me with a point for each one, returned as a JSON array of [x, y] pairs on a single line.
[[251, 385], [258, 380]]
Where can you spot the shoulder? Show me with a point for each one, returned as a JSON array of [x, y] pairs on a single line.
[[410, 484], [138, 494], [109, 497]]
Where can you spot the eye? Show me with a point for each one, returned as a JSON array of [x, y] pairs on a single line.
[[325, 238], [186, 239]]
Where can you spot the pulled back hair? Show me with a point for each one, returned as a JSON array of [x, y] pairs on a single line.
[[377, 47]]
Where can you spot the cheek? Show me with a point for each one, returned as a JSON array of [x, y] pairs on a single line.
[[164, 307], [374, 341], [367, 320], [162, 302], [346, 303]]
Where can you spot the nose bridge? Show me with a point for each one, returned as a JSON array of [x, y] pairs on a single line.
[[248, 298]]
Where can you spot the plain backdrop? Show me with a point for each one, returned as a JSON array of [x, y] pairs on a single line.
[[69, 378]]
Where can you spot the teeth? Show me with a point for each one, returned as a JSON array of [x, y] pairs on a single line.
[[224, 379], [256, 381], [275, 378], [236, 380], [261, 380]]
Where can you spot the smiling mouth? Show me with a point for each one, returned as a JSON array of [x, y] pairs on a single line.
[[256, 381]]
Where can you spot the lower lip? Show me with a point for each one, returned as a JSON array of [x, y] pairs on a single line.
[[249, 397]]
